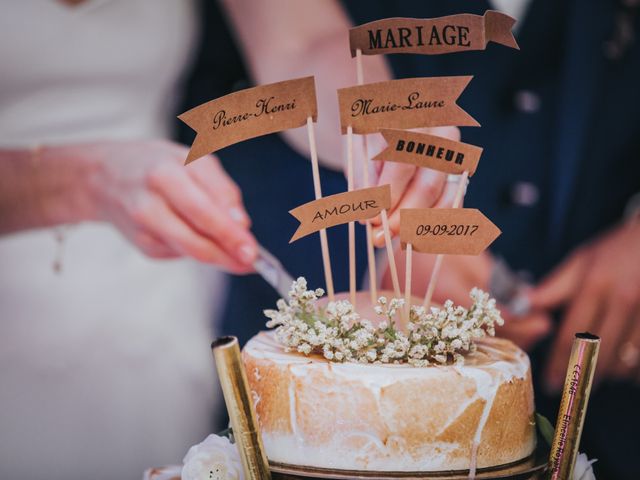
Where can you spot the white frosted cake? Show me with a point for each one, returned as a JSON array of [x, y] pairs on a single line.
[[420, 416], [313, 412]]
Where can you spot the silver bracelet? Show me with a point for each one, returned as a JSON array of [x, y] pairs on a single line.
[[60, 231]]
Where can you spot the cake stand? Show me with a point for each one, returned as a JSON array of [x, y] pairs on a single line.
[[530, 468]]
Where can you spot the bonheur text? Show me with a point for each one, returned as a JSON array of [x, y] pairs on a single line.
[[430, 150], [344, 209], [264, 106], [368, 106], [402, 37]]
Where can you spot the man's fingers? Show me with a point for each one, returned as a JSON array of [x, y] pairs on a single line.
[[580, 317], [611, 329], [204, 215], [562, 283], [528, 331], [627, 364]]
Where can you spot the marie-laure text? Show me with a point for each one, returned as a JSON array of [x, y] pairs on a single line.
[[368, 106]]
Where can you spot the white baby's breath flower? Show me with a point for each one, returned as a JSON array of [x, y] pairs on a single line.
[[337, 332], [215, 458]]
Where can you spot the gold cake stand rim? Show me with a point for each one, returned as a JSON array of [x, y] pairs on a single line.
[[534, 463]]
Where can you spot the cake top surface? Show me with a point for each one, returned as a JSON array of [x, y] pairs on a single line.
[[496, 354]]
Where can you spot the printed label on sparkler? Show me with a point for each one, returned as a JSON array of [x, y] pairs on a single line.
[[404, 103], [340, 208], [457, 231], [431, 36], [429, 151], [250, 113]]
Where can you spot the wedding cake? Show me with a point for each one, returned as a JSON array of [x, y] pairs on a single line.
[[351, 398]]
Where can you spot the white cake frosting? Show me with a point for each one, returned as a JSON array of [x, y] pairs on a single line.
[[376, 417]]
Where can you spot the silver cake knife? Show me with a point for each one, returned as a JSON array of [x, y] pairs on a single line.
[[509, 287], [270, 268]]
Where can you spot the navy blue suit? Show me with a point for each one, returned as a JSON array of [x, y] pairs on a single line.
[[562, 117], [558, 117]]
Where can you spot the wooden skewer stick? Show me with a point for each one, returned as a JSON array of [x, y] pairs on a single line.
[[407, 286], [392, 258], [359, 69], [352, 226], [371, 256], [457, 201], [324, 243]]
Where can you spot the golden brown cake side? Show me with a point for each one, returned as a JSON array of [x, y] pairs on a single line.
[[392, 417]]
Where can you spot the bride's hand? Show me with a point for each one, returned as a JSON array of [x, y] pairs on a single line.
[[165, 208], [411, 187]]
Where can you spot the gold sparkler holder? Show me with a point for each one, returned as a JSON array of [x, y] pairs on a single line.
[[573, 406], [237, 397]]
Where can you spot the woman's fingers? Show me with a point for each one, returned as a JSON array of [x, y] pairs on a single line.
[[155, 216], [448, 195], [204, 216], [399, 176], [424, 191], [152, 246], [411, 186], [221, 189], [168, 209], [452, 133]]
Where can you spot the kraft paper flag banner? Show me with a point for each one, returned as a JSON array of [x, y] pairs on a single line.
[[454, 33], [405, 103], [431, 151], [250, 113], [340, 208], [458, 231]]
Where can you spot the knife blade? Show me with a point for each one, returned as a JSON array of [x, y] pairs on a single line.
[[509, 288], [270, 268]]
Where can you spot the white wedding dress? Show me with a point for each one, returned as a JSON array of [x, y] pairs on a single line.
[[105, 369]]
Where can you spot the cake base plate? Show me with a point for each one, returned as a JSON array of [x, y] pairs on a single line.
[[532, 467]]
